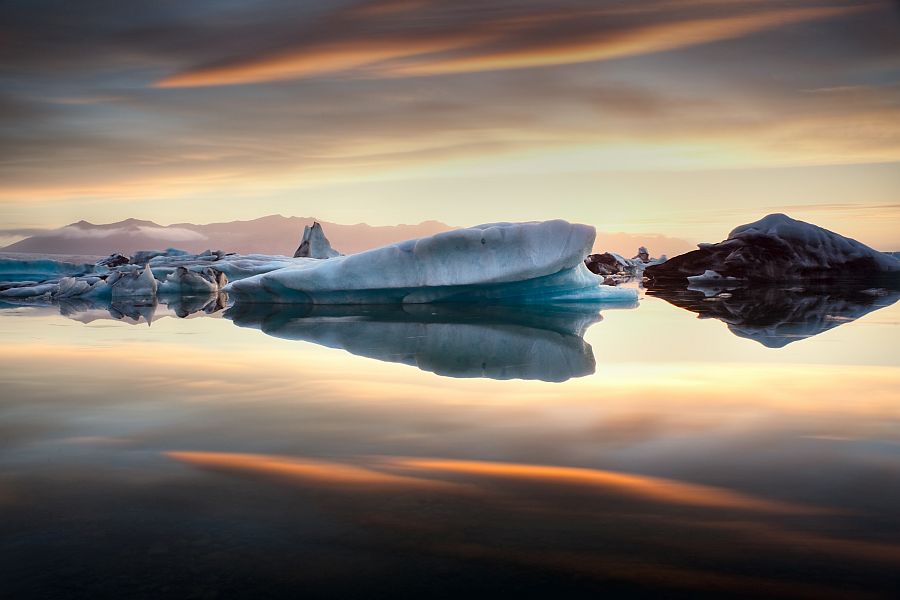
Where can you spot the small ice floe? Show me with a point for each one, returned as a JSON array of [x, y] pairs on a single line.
[[710, 276]]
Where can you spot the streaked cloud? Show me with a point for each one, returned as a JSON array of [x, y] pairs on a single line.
[[429, 38], [324, 59], [632, 42]]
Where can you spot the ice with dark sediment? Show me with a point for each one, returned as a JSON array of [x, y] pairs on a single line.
[[778, 248]]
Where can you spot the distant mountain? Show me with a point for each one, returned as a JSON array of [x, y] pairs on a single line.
[[273, 234]]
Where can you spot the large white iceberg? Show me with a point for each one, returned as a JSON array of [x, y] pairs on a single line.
[[501, 262], [537, 262]]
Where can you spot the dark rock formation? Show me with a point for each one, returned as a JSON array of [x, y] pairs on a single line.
[[778, 248]]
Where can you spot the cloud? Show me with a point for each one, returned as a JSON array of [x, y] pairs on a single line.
[[171, 234], [630, 42], [401, 39], [324, 59], [334, 105]]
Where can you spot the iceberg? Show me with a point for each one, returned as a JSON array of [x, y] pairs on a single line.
[[138, 286], [314, 244], [24, 267], [779, 248], [452, 340], [537, 262], [496, 263]]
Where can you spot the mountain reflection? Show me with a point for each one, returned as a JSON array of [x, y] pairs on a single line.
[[775, 316], [496, 342]]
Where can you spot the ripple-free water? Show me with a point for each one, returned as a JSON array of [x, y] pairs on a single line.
[[445, 454]]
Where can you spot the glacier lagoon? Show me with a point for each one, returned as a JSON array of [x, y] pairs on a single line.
[[628, 451]]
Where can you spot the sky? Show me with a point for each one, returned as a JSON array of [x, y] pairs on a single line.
[[682, 117]]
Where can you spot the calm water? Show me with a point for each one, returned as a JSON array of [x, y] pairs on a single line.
[[277, 453]]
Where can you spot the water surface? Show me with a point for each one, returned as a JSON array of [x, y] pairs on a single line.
[[621, 452]]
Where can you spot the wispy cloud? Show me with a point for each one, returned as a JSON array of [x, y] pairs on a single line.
[[391, 39]]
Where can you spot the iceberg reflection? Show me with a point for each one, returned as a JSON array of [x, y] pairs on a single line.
[[87, 310], [775, 316], [497, 342]]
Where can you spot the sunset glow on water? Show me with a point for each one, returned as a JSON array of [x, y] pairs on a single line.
[[229, 455]]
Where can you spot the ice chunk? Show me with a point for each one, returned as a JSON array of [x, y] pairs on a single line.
[[710, 276], [500, 262], [138, 287], [610, 263], [15, 267], [29, 291], [145, 256], [204, 280], [314, 244], [72, 286]]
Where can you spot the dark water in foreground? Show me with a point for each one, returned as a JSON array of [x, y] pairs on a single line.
[[304, 455]]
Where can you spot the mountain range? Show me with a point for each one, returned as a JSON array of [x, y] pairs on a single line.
[[273, 234]]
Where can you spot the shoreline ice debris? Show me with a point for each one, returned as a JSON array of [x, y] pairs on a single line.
[[146, 275], [536, 262], [778, 248]]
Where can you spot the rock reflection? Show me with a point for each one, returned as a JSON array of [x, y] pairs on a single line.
[[496, 342], [775, 316]]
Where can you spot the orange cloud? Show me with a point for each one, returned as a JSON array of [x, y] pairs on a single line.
[[637, 41], [405, 55], [657, 489], [317, 60]]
